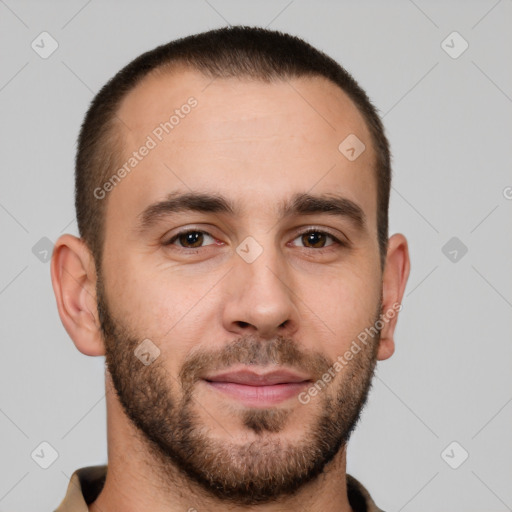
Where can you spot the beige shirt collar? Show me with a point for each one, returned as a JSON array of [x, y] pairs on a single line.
[[86, 483]]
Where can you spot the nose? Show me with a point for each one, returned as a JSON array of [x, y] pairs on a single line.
[[260, 298]]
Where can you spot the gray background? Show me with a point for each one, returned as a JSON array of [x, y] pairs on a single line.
[[449, 123]]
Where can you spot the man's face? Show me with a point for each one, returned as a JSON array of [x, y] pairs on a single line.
[[247, 290]]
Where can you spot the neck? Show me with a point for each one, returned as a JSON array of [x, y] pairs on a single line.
[[134, 482]]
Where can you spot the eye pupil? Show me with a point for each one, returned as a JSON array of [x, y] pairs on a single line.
[[191, 239], [315, 238]]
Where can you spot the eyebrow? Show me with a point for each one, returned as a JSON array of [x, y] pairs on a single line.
[[299, 204]]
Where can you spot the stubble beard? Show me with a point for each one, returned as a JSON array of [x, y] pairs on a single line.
[[267, 468]]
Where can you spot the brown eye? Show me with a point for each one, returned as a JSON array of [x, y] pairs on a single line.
[[315, 239], [191, 239]]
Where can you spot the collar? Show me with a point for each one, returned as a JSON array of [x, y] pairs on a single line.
[[86, 484]]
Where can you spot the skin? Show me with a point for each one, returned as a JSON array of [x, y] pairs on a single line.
[[257, 144]]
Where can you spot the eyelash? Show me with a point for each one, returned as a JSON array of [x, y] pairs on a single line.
[[337, 241]]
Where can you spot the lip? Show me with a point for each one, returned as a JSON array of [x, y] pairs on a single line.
[[252, 378], [255, 389]]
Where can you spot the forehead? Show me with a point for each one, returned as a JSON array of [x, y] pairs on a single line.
[[257, 140], [225, 103]]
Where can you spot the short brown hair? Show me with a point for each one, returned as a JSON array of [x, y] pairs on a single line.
[[237, 51]]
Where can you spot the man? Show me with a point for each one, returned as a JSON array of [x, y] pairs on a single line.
[[234, 267]]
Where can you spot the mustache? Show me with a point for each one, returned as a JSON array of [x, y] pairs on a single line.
[[251, 350]]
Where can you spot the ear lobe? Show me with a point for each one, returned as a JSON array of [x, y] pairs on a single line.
[[396, 273], [74, 284]]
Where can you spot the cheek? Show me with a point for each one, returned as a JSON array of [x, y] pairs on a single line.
[[344, 306], [164, 307]]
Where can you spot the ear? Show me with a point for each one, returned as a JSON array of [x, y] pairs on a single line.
[[74, 284], [394, 279]]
